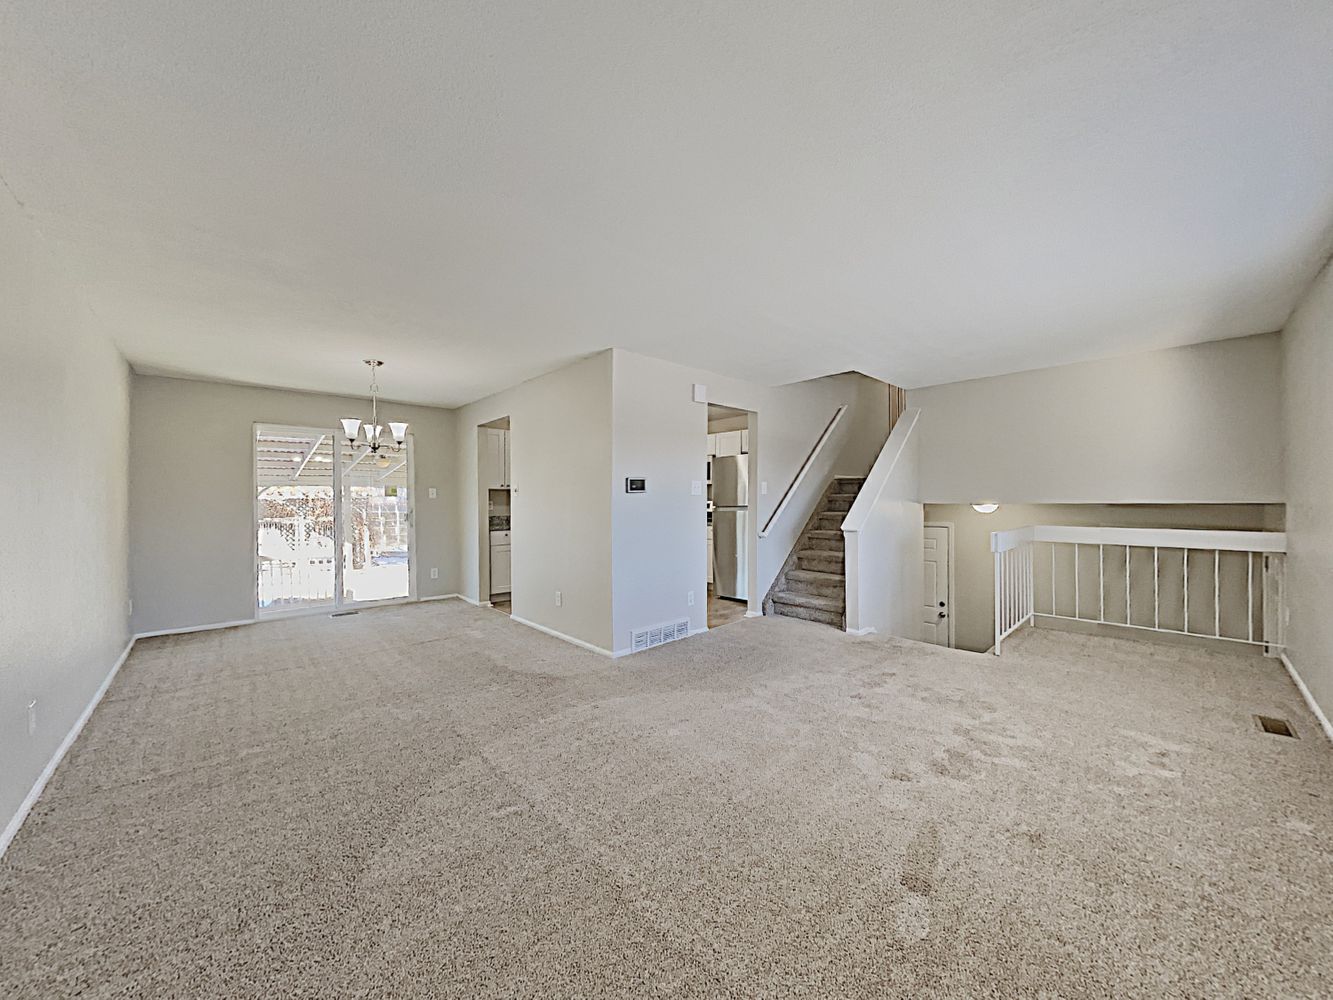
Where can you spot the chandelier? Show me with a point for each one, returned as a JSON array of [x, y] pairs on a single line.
[[374, 430]]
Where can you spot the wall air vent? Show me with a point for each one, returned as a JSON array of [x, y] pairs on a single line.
[[658, 634]]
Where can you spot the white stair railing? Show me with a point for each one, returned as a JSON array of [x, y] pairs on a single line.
[[1222, 585], [801, 473]]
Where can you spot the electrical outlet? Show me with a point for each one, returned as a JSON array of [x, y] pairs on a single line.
[[433, 493], [435, 572], [696, 488], [559, 599], [32, 717], [689, 598]]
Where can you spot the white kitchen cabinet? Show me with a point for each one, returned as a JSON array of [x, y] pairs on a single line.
[[710, 553], [494, 461], [712, 445], [745, 441], [728, 443], [500, 563]]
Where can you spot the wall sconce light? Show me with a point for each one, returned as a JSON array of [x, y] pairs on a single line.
[[985, 508]]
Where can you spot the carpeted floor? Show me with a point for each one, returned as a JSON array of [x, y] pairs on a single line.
[[434, 800]]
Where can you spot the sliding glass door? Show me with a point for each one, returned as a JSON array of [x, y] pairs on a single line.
[[376, 514], [333, 522], [294, 518]]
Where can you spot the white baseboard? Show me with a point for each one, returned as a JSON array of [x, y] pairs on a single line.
[[568, 638], [284, 615], [754, 614], [196, 628], [16, 821], [861, 631], [1305, 693]]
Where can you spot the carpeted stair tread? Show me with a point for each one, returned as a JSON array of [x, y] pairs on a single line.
[[817, 576], [808, 601]]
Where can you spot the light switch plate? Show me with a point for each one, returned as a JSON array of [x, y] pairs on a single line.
[[435, 572], [700, 393], [763, 487], [433, 493], [696, 488]]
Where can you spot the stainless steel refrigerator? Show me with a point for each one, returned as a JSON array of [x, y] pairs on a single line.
[[731, 526]]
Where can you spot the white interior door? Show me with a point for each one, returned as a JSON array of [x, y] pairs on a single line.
[[936, 610]]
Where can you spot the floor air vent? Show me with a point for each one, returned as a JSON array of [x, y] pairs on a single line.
[[658, 634], [1278, 727], [343, 614]]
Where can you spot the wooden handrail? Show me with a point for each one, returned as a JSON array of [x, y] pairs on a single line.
[[805, 467]]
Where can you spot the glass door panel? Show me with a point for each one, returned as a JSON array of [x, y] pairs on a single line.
[[376, 514], [294, 512]]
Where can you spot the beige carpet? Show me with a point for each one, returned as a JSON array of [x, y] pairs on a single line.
[[437, 801]]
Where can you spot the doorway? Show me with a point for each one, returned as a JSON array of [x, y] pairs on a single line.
[[937, 624], [496, 504], [730, 515], [333, 521]]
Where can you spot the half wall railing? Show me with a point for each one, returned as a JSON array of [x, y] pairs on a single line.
[[1221, 585]]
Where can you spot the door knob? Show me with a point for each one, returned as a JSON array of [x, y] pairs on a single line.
[[943, 615]]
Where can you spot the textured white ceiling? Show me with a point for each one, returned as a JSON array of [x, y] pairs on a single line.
[[476, 192]]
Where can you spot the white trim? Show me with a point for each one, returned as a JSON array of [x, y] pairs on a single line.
[[950, 527], [277, 616], [1162, 538], [568, 638], [878, 476], [754, 614], [1310, 703], [868, 630], [16, 821], [204, 628]]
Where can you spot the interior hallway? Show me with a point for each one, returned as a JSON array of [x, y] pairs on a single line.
[[433, 800]]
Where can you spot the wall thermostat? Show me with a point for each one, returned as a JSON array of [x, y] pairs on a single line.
[[636, 486]]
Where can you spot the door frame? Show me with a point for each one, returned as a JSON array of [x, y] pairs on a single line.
[[338, 603], [754, 605], [951, 531]]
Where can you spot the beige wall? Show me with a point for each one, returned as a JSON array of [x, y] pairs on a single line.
[[191, 494], [660, 540], [1197, 424], [560, 468], [1307, 384], [974, 581], [63, 578]]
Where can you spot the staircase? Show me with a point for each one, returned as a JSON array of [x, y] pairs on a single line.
[[813, 584]]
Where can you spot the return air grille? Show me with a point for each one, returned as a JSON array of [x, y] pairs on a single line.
[[658, 634], [1277, 727]]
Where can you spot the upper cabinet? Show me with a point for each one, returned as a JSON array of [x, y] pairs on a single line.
[[493, 463], [722, 443], [728, 443]]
